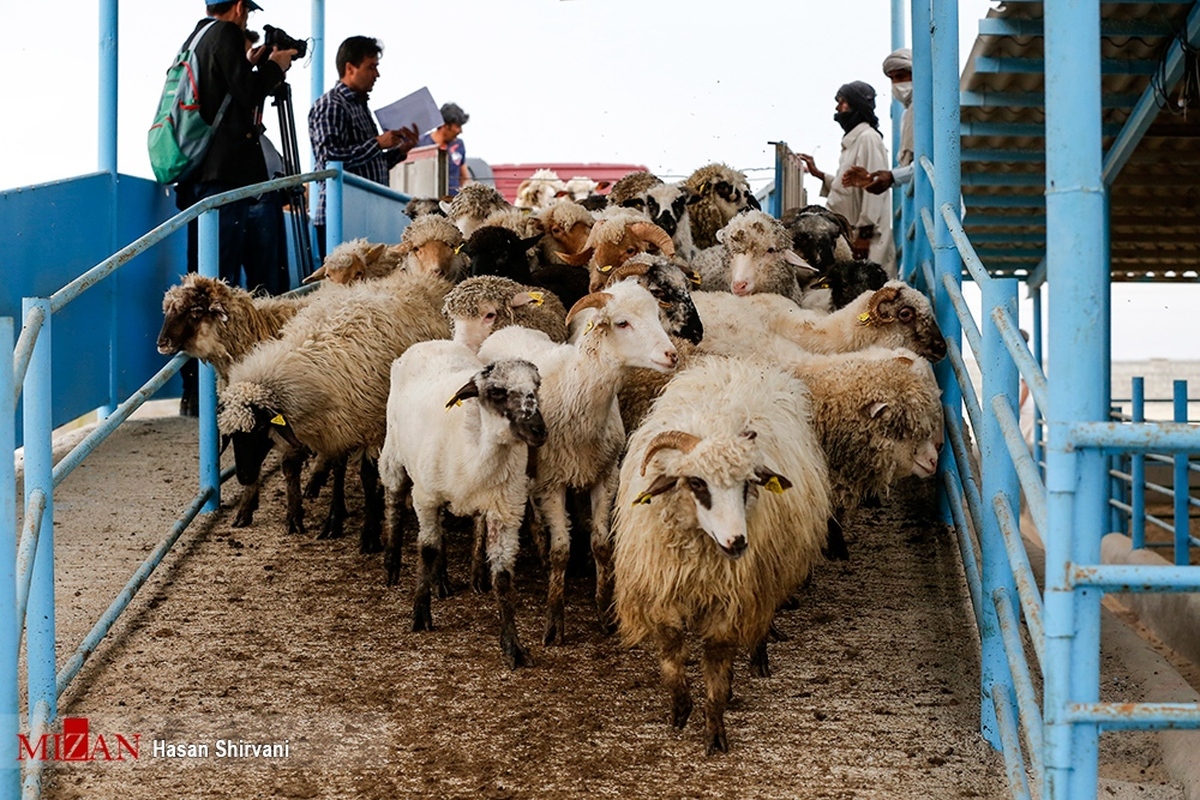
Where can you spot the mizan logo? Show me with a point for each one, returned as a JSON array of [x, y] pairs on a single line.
[[76, 744]]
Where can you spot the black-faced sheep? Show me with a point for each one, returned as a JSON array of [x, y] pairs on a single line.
[[721, 513], [720, 194], [494, 250], [841, 283], [324, 384], [479, 306], [819, 235], [615, 330], [460, 431], [754, 256]]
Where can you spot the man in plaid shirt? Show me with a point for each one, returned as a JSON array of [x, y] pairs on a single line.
[[341, 127]]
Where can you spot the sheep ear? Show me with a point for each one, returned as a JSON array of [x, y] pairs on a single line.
[[444, 206], [603, 185], [771, 480], [277, 423], [661, 484], [530, 241], [469, 389], [752, 201], [318, 275], [793, 258], [374, 253], [721, 236], [634, 202], [905, 361], [693, 197], [579, 259], [873, 410], [525, 298]]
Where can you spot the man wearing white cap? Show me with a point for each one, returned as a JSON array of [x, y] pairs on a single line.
[[898, 67]]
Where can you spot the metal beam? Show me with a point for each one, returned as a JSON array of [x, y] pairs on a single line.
[[1007, 238], [1110, 27], [1146, 109], [1004, 201], [1035, 100], [1022, 129], [1003, 155], [1005, 221], [1036, 66], [1003, 179]]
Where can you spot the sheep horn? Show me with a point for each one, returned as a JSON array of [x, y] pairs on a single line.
[[593, 300], [655, 235], [578, 259], [624, 271], [673, 440], [318, 275], [887, 294]]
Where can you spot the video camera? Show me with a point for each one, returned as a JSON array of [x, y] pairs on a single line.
[[278, 39]]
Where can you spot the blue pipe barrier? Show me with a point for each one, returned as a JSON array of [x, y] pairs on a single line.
[[966, 545], [1027, 589], [210, 467], [1026, 698], [974, 412], [1027, 366], [333, 206], [35, 511], [1027, 474], [1136, 578], [40, 620], [1077, 267], [1180, 484], [1014, 765], [107, 116], [964, 473], [1147, 437], [31, 328], [371, 187], [969, 328], [1136, 716], [41, 716], [10, 625], [1137, 469], [317, 74]]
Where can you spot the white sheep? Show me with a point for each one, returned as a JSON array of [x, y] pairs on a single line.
[[460, 431], [721, 193], [472, 205], [539, 190], [700, 545], [324, 384], [616, 330], [754, 257], [479, 306], [357, 260]]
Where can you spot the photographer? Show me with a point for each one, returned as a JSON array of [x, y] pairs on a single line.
[[341, 127], [238, 82]]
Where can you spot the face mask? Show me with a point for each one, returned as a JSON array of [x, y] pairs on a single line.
[[847, 119], [902, 92]]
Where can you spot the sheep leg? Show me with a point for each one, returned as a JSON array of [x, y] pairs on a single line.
[[540, 534], [481, 576], [502, 545], [554, 511], [835, 542], [393, 530], [429, 544], [760, 666], [246, 506], [602, 548], [292, 464], [333, 528], [369, 540], [717, 666], [672, 649], [316, 481]]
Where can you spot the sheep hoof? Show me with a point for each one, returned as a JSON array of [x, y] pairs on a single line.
[[422, 616], [554, 629], [332, 529], [295, 527], [370, 543], [717, 743], [776, 635], [315, 484], [391, 563], [481, 579], [760, 665], [514, 655], [608, 625], [244, 518], [680, 712], [444, 589]]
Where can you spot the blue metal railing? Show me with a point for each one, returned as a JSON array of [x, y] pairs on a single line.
[[29, 573]]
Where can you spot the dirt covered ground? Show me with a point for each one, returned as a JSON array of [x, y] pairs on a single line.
[[249, 635]]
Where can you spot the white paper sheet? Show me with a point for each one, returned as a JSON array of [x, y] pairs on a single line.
[[417, 109]]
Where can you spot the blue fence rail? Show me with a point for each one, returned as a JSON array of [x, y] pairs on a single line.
[[27, 570]]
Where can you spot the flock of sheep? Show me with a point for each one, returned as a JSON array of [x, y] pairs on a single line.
[[725, 390]]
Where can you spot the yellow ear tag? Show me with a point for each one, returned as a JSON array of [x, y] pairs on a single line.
[[591, 324], [606, 268], [458, 249], [453, 402], [773, 485], [642, 499], [696, 278], [538, 297], [864, 318], [278, 420]]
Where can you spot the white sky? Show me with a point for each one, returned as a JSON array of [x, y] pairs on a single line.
[[671, 85]]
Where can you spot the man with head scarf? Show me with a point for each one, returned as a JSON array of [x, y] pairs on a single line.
[[862, 145], [898, 67]]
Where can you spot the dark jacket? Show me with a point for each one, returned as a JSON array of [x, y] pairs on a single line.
[[234, 156]]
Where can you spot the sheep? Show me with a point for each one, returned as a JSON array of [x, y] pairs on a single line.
[[494, 250], [420, 206], [819, 235], [539, 189], [324, 384], [478, 306], [472, 205], [517, 220], [632, 186], [721, 193], [699, 545], [754, 256], [840, 283], [566, 225], [357, 260], [895, 316], [471, 459], [667, 206], [614, 239], [616, 329], [580, 188], [219, 324]]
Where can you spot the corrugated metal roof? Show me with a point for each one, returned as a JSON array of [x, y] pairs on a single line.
[[1155, 198]]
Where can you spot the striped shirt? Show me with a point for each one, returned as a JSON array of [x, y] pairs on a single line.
[[341, 128]]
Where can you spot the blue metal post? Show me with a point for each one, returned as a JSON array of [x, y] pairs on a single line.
[[897, 107], [1000, 377], [775, 208], [922, 106], [209, 257], [1181, 483], [108, 163], [318, 56], [1038, 413], [39, 476], [947, 182], [10, 636], [1137, 472], [1077, 267], [333, 207]]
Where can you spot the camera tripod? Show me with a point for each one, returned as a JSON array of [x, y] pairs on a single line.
[[296, 198]]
